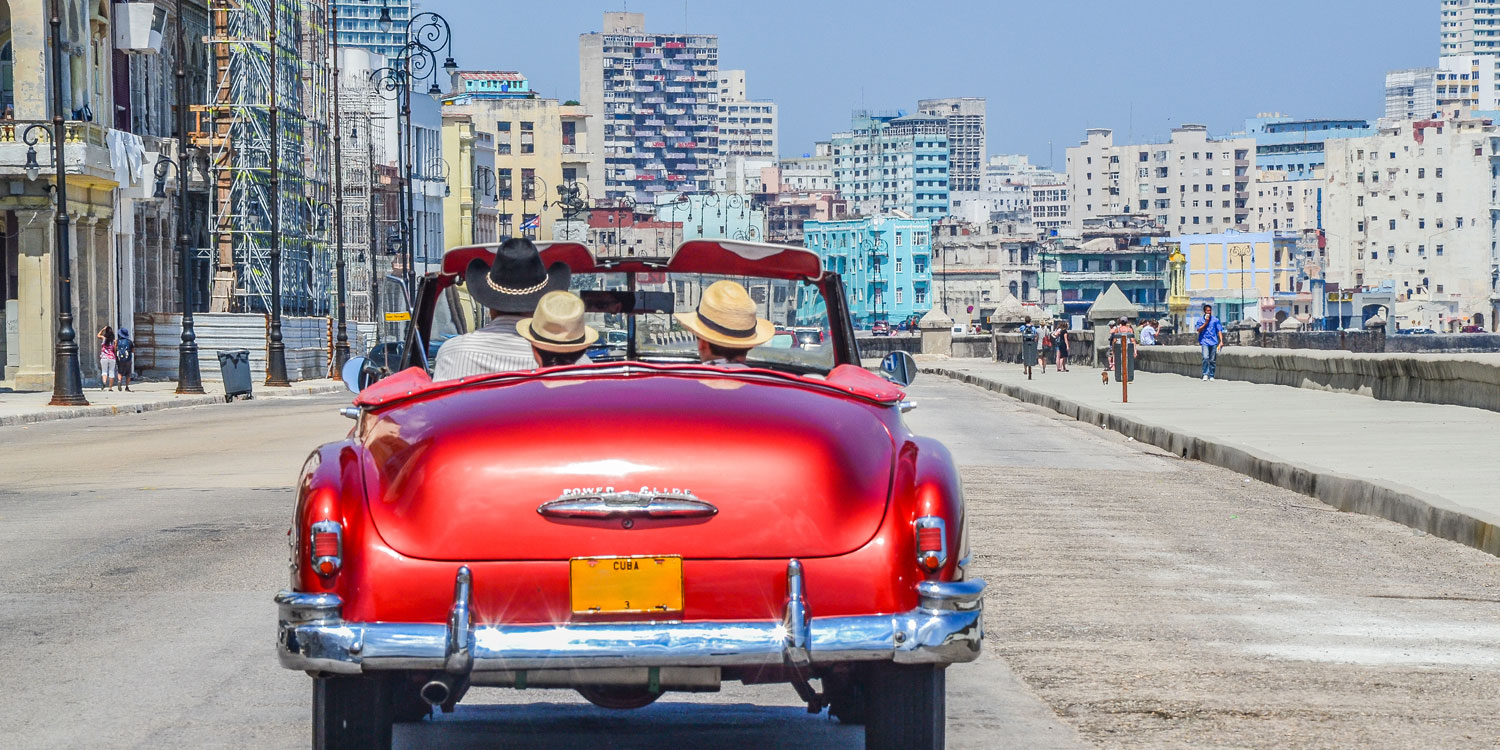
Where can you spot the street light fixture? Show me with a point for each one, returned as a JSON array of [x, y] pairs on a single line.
[[1242, 252], [386, 22], [67, 379], [33, 169]]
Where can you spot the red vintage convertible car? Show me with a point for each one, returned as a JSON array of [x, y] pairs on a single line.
[[636, 524]]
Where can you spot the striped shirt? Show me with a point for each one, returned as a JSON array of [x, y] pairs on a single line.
[[494, 348]]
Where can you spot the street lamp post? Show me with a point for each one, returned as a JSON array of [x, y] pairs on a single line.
[[1242, 252], [341, 338], [189, 379], [276, 374], [67, 379]]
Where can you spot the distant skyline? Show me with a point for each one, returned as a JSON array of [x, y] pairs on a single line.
[[1049, 70]]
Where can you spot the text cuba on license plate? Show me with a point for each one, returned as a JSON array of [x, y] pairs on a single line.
[[638, 584]]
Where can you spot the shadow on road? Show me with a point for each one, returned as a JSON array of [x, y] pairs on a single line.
[[559, 726]]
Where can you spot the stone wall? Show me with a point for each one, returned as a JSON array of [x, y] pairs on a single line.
[[973, 346], [1080, 347], [1462, 380], [1375, 342], [876, 347]]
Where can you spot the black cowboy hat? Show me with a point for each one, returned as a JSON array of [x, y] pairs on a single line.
[[516, 280]]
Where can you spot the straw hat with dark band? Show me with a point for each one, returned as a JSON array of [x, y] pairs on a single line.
[[726, 316], [516, 281], [557, 325]]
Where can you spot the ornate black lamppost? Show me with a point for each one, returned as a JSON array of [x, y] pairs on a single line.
[[67, 379], [341, 338], [426, 33], [189, 379], [276, 374]]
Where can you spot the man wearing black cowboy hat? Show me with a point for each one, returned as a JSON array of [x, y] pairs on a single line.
[[510, 288]]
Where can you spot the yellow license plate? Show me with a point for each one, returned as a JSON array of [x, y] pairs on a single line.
[[626, 584]]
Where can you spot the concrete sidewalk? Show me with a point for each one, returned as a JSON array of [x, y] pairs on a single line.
[[1427, 466], [29, 407]]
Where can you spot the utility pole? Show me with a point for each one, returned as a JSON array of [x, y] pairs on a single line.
[[189, 379]]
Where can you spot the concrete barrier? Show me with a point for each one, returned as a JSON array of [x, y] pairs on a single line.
[[1457, 379], [876, 347], [1006, 347]]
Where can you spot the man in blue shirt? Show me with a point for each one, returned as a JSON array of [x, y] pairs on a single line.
[[1210, 338]]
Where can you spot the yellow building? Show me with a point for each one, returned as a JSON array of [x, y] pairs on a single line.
[[527, 131], [1235, 270], [469, 210]]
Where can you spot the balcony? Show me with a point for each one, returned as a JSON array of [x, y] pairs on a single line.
[[85, 151]]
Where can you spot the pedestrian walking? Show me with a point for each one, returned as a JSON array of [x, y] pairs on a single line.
[[125, 357], [1048, 352], [1028, 345], [1126, 334], [1210, 338], [108, 375], [1060, 344]]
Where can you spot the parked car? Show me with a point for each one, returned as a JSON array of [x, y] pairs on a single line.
[[880, 328], [1473, 329], [1415, 331], [630, 528]]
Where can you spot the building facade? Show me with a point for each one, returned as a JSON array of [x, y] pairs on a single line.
[[360, 25], [891, 162], [470, 211], [809, 171], [966, 139], [732, 216], [746, 128], [1410, 94], [1243, 273], [1295, 147], [886, 264], [1192, 183], [528, 132], [975, 265], [656, 99], [1469, 27], [1051, 209], [1124, 250], [1412, 208]]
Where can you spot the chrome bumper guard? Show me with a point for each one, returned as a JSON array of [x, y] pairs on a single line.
[[945, 628]]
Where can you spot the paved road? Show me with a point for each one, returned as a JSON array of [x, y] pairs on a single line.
[[1136, 600]]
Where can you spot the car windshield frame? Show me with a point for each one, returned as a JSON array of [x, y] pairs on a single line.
[[721, 258]]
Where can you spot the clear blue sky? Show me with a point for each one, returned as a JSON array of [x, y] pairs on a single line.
[[1049, 68]]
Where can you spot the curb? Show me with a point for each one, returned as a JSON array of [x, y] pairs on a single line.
[[1404, 505], [111, 411]]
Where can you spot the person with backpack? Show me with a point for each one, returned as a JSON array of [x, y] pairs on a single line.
[[1028, 345], [125, 357]]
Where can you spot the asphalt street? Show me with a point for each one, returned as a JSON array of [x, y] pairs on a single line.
[[1136, 600]]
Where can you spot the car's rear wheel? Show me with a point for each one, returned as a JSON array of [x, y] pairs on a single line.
[[351, 713], [618, 698], [906, 707]]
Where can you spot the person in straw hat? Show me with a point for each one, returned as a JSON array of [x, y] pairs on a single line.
[[511, 287], [726, 325], [556, 330]]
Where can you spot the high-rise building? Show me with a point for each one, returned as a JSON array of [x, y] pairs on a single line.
[[360, 25], [966, 144], [655, 97], [890, 162], [746, 128], [1470, 27]]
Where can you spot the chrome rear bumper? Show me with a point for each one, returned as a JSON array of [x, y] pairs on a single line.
[[945, 628]]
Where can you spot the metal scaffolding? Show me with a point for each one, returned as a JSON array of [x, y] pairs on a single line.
[[234, 132]]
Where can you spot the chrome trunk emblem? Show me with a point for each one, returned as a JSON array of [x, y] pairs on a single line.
[[627, 505]]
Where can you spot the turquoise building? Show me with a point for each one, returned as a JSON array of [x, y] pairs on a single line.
[[885, 262], [728, 216]]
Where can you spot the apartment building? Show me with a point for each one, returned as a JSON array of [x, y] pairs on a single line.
[[1469, 27], [1192, 183], [656, 100], [528, 132], [1411, 208], [746, 128], [966, 139], [379, 27], [1050, 208], [890, 162], [1410, 94], [810, 171], [885, 261], [975, 265]]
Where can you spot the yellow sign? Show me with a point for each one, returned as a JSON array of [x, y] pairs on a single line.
[[397, 317], [626, 584], [1341, 296]]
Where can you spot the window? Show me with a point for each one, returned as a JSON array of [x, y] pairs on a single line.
[[1440, 200], [528, 139], [1439, 250], [528, 184], [1421, 172], [502, 178], [1393, 223], [898, 295], [570, 174], [898, 264], [900, 238]]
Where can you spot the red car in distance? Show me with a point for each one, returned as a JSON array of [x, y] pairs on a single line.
[[880, 328], [634, 525]]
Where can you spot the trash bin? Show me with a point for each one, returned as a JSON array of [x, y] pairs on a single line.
[[234, 366], [1124, 354]]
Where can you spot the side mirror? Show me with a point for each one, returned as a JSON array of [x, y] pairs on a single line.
[[353, 374], [899, 368]]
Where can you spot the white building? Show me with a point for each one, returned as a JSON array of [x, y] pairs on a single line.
[[966, 139], [977, 264], [1412, 207], [1191, 184], [809, 172], [746, 128], [1410, 94], [1470, 27], [1280, 203], [1050, 208]]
